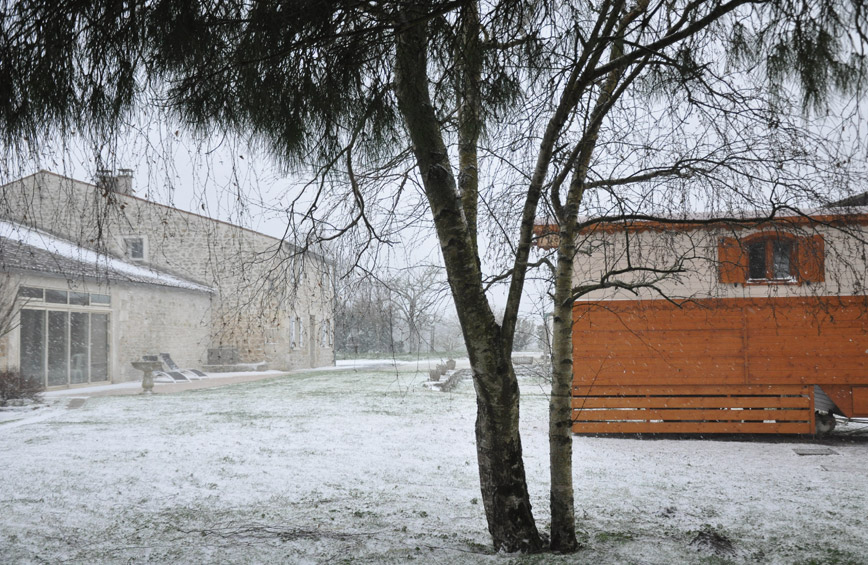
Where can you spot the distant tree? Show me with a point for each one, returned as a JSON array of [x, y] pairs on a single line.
[[525, 334], [448, 339], [393, 313], [418, 296], [365, 320], [544, 339], [496, 112]]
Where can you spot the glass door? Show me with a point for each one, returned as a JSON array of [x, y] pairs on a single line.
[[33, 344], [60, 348]]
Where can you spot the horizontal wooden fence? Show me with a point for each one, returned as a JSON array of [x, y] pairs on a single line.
[[763, 409]]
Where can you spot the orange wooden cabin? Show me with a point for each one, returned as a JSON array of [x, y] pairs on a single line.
[[760, 328]]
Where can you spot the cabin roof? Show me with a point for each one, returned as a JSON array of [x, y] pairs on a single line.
[[859, 200]]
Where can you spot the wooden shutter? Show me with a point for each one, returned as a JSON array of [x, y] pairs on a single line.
[[731, 261], [811, 260]]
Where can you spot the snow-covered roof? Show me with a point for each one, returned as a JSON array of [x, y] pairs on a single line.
[[23, 248]]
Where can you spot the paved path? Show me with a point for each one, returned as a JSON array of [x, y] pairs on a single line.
[[135, 387], [223, 379]]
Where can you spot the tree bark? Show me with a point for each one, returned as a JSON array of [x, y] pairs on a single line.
[[560, 409], [468, 59], [498, 443], [563, 533]]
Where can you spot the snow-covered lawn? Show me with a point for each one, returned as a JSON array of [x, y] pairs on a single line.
[[370, 466]]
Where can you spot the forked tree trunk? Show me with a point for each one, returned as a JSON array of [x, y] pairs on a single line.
[[560, 410], [498, 445]]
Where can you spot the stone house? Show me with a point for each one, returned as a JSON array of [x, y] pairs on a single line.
[[212, 294]]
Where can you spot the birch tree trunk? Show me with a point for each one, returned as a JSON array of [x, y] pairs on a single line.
[[560, 409]]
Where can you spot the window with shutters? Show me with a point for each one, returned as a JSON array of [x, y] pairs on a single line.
[[771, 258]]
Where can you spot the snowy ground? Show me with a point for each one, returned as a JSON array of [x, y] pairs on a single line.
[[369, 466]]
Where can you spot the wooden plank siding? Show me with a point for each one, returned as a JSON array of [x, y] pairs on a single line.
[[779, 409], [716, 365]]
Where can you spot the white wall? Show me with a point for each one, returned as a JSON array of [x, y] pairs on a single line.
[[846, 267], [143, 320]]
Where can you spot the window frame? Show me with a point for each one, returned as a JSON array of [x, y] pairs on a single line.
[[299, 336], [94, 299], [769, 242], [127, 240], [68, 309]]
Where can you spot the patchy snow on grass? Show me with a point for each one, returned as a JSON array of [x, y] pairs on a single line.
[[370, 466], [367, 363]]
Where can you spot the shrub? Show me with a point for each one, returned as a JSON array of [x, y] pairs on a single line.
[[13, 387]]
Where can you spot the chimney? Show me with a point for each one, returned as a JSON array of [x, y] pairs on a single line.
[[122, 183]]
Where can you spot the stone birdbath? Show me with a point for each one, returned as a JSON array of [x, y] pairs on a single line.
[[148, 368]]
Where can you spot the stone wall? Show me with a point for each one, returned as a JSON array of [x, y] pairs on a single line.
[[149, 320], [261, 289]]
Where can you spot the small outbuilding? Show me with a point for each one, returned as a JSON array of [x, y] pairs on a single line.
[[736, 327]]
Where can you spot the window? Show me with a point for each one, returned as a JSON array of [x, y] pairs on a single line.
[[56, 296], [52, 296], [79, 298], [771, 258], [324, 334], [64, 336], [31, 292], [327, 333], [134, 248]]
